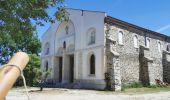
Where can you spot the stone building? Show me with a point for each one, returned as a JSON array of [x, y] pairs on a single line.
[[94, 50]]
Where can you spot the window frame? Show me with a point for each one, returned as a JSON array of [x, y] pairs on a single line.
[[168, 47], [91, 36], [120, 37], [135, 41], [148, 42], [92, 64], [47, 48], [67, 29], [159, 46], [46, 66]]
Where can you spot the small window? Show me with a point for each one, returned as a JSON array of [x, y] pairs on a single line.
[[91, 37], [148, 43], [135, 39], [92, 64], [47, 49], [47, 52], [67, 29], [120, 37], [168, 48], [159, 46], [46, 66], [64, 44]]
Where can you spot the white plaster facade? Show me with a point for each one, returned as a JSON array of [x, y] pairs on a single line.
[[93, 50], [76, 33]]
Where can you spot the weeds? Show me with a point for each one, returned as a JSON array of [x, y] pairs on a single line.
[[137, 85]]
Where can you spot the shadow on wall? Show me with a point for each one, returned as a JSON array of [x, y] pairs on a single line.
[[145, 62], [143, 70], [166, 66]]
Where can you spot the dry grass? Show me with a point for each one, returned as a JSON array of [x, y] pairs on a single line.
[[146, 90]]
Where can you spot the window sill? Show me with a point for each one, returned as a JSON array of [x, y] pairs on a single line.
[[91, 75], [147, 48], [121, 44], [90, 44], [160, 51], [168, 52], [136, 47]]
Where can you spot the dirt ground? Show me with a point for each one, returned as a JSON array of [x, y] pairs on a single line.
[[74, 94]]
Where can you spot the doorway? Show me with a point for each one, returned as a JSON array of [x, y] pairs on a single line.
[[60, 68], [71, 68]]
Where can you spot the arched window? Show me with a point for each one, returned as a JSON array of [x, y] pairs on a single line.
[[91, 36], [147, 42], [135, 39], [120, 37], [64, 44], [92, 64], [46, 66], [65, 28], [47, 48], [159, 46]]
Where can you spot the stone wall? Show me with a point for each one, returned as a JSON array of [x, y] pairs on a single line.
[[137, 64], [128, 55], [112, 75], [166, 66]]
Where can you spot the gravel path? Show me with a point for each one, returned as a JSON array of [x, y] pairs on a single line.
[[68, 94]]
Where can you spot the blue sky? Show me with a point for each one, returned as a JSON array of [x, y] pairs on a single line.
[[150, 14]]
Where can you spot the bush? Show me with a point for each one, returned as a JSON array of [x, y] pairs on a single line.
[[137, 85], [133, 85], [123, 88], [30, 72]]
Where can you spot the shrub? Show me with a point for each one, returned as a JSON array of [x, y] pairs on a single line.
[[133, 85]]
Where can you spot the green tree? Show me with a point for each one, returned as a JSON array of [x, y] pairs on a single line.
[[41, 76], [9, 45], [33, 73], [30, 72], [17, 31]]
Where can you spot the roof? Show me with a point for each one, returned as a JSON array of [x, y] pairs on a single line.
[[114, 21], [85, 10]]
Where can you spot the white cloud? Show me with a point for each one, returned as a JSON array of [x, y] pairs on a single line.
[[163, 28]]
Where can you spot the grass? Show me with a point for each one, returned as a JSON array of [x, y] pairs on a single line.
[[133, 85], [146, 90], [137, 87]]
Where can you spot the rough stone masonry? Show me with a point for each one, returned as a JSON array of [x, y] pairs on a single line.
[[135, 64]]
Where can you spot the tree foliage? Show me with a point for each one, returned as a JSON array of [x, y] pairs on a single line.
[[17, 31], [33, 73], [9, 45], [18, 21], [30, 72], [16, 15]]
